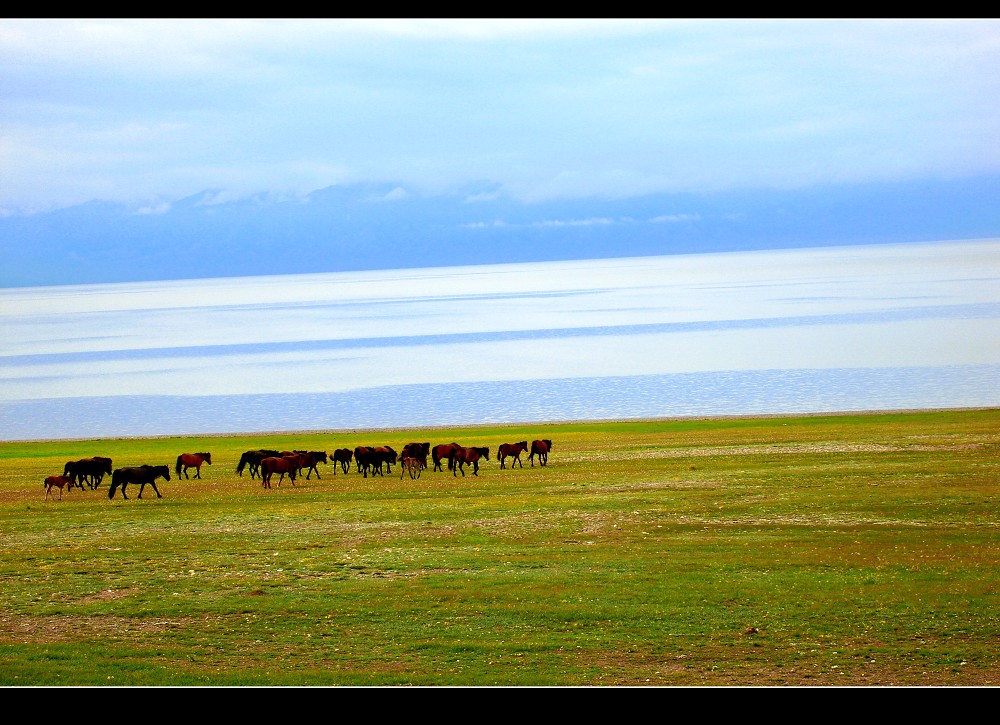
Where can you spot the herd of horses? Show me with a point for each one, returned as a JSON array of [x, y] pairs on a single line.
[[264, 463]]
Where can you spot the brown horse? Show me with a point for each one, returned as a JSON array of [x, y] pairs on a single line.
[[460, 456], [138, 474], [342, 456], [541, 449], [309, 459], [192, 460], [283, 465], [443, 452], [57, 481], [514, 450]]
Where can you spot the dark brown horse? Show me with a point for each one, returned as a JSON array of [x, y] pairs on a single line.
[[514, 450], [342, 456], [87, 470], [361, 458], [142, 475], [372, 458], [192, 460], [56, 482], [283, 465], [541, 449], [420, 451], [383, 455], [460, 456], [252, 460], [443, 453]]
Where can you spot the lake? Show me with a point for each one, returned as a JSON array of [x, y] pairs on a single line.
[[882, 327]]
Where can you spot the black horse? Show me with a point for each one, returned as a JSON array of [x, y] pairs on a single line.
[[87, 470], [138, 474], [253, 459]]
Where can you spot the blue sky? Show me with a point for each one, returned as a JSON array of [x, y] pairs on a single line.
[[146, 112]]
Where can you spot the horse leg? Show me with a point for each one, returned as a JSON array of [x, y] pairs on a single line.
[[153, 484], [475, 468]]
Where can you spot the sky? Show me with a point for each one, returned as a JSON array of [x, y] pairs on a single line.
[[146, 112]]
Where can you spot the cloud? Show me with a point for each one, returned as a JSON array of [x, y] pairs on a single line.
[[132, 109], [155, 209], [673, 218], [394, 195]]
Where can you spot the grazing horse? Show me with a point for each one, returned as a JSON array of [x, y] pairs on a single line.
[[460, 456], [420, 451], [411, 465], [443, 452], [514, 450], [342, 456], [541, 449], [138, 474], [56, 481], [283, 465], [253, 459], [87, 470], [192, 460]]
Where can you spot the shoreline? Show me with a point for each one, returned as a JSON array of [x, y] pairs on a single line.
[[588, 421]]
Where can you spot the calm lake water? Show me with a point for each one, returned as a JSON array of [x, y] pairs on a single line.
[[793, 331]]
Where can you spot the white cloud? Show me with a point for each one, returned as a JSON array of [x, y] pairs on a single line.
[[126, 109], [673, 218], [154, 209]]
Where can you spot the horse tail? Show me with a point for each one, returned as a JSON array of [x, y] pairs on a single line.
[[242, 464], [181, 456], [114, 485]]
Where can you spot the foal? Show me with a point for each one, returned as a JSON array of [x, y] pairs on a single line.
[[410, 465], [60, 481]]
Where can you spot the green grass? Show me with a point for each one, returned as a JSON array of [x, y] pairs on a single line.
[[823, 550]]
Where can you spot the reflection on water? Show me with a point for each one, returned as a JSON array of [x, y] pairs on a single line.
[[793, 331]]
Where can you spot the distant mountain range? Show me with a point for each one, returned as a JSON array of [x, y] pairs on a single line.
[[385, 226]]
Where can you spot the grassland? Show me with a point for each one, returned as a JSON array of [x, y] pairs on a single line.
[[859, 550]]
